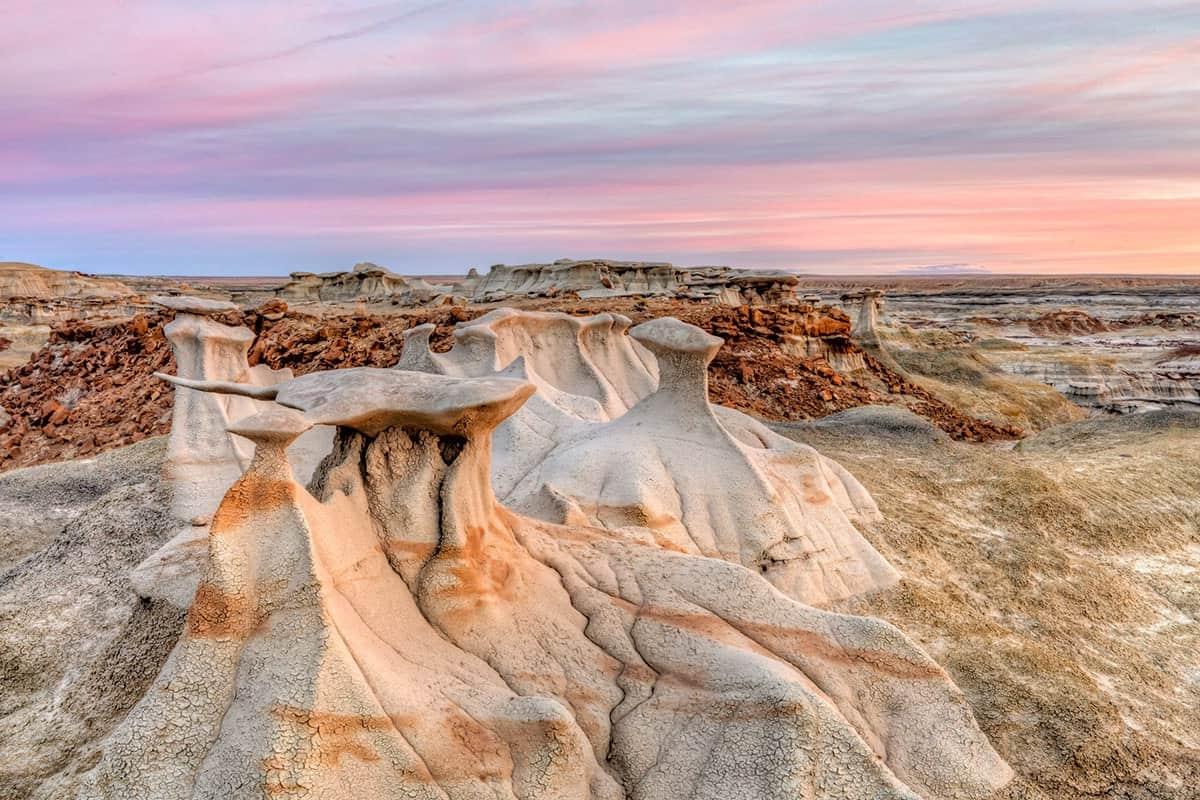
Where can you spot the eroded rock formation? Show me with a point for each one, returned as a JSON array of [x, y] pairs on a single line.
[[1097, 384], [1067, 322], [394, 630], [649, 449], [365, 282], [1107, 366], [20, 280], [870, 310], [774, 506], [604, 278], [586, 370], [203, 459], [32, 298]]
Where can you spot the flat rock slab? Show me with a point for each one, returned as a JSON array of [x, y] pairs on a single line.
[[193, 305], [370, 399]]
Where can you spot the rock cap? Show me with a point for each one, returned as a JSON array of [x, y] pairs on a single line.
[[188, 304]]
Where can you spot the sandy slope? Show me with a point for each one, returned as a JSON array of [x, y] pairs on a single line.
[[1058, 583]]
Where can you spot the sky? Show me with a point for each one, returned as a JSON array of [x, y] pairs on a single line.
[[862, 136]]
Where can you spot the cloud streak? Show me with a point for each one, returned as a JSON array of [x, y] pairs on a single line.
[[435, 136]]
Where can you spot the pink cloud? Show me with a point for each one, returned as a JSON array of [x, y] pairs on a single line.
[[1076, 225], [675, 127]]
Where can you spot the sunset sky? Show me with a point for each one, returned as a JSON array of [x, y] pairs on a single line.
[[234, 137]]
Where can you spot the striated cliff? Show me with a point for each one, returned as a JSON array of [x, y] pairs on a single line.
[[366, 281], [20, 280], [593, 278]]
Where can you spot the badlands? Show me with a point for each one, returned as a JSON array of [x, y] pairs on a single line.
[[598, 529]]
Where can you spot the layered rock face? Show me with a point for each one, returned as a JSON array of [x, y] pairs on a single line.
[[1132, 364], [1105, 343], [394, 630], [33, 295], [603, 278], [1172, 381], [20, 280], [365, 282]]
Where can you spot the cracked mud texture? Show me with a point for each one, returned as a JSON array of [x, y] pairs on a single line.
[[77, 645]]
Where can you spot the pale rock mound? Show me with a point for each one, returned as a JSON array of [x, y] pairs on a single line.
[[881, 423], [585, 370], [869, 315], [396, 632], [20, 280], [604, 278], [365, 282], [643, 465], [772, 505], [583, 356]]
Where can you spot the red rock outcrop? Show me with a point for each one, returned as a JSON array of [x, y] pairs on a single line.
[[91, 387], [88, 390]]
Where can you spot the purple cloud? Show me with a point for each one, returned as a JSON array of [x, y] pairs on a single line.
[[172, 137]]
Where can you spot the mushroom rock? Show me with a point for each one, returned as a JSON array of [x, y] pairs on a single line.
[[203, 460], [870, 314], [396, 632], [586, 356], [586, 369], [865, 330], [870, 310], [594, 373], [190, 304], [712, 483]]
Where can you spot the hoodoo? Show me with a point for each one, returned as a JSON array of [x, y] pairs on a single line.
[[774, 505], [394, 630]]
